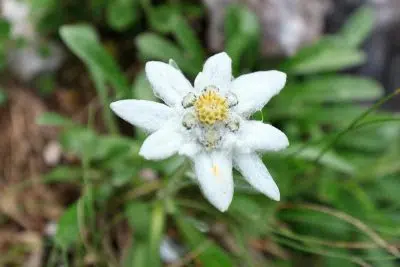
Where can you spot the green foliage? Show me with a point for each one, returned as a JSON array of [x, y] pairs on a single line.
[[140, 255], [3, 97], [139, 218], [45, 84], [63, 174], [84, 42], [47, 14], [151, 45], [242, 37], [211, 254], [333, 88], [121, 14], [53, 119], [141, 88], [327, 55], [167, 19], [359, 26], [337, 52], [157, 228], [70, 225], [5, 30]]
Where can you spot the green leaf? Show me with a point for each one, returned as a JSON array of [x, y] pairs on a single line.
[[148, 226], [328, 54], [377, 256], [68, 227], [122, 175], [328, 60], [161, 17], [153, 46], [251, 209], [241, 20], [97, 8], [3, 59], [316, 223], [242, 34], [388, 188], [139, 218], [328, 187], [244, 207], [353, 200], [141, 88], [334, 262], [189, 42], [63, 174], [157, 226], [329, 159], [5, 30], [83, 41], [358, 27], [3, 97], [337, 116], [167, 19], [54, 119], [113, 147], [47, 15], [79, 141], [369, 139], [338, 88], [45, 84], [121, 14], [138, 255], [102, 92], [110, 150], [211, 255]]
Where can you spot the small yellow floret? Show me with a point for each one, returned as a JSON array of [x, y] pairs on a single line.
[[210, 107], [215, 170]]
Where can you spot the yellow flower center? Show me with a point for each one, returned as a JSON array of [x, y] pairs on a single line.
[[210, 107]]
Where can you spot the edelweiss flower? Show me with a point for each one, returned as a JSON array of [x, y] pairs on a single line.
[[209, 124]]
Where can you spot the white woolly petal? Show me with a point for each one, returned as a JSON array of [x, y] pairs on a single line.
[[200, 82], [161, 144], [214, 173], [255, 135], [217, 71], [190, 149], [144, 114], [256, 174], [254, 90], [168, 83]]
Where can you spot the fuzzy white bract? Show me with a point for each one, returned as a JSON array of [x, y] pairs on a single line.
[[209, 124]]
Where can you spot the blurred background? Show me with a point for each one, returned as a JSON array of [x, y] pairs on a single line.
[[74, 192]]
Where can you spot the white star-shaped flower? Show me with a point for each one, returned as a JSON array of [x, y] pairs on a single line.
[[209, 124]]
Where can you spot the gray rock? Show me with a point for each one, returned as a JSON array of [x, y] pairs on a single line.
[[387, 11], [27, 62], [287, 25]]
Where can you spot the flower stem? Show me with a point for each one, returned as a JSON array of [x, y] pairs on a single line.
[[109, 120]]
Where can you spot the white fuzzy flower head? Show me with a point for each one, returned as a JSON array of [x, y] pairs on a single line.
[[208, 123]]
